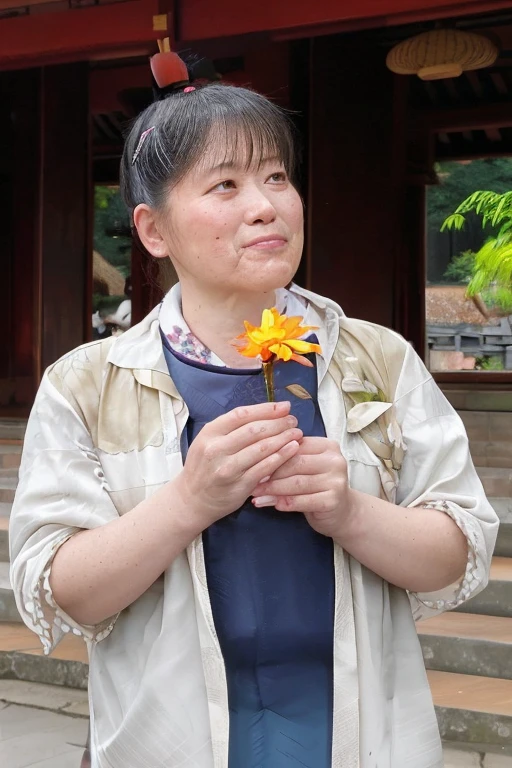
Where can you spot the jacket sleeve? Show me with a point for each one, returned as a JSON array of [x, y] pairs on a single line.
[[438, 473], [61, 491]]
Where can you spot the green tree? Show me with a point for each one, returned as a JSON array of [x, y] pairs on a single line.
[[111, 228], [460, 179], [492, 270], [460, 269]]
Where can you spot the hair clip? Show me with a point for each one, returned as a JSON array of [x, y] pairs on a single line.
[[142, 139]]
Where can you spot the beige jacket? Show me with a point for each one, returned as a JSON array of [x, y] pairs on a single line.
[[104, 434]]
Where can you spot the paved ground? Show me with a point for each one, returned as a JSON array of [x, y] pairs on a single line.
[[461, 759], [41, 738], [37, 738]]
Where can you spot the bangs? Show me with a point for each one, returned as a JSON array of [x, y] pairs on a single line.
[[246, 141]]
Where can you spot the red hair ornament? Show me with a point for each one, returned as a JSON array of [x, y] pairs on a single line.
[[167, 67]]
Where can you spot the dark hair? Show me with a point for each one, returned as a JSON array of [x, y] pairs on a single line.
[[246, 123]]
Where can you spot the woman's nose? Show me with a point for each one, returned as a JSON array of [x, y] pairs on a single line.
[[259, 209]]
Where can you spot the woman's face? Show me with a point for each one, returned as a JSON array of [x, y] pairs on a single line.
[[231, 229]]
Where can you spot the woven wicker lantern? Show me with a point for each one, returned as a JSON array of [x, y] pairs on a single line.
[[441, 53]]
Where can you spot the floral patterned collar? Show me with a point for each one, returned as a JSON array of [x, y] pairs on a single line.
[[181, 338]]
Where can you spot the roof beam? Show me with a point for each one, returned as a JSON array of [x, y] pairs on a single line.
[[204, 19], [85, 33], [462, 119]]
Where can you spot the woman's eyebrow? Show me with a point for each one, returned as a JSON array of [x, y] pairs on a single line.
[[226, 166], [233, 165]]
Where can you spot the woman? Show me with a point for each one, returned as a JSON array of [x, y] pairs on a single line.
[[246, 573]]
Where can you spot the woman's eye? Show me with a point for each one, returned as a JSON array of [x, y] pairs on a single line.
[[224, 186], [278, 178]]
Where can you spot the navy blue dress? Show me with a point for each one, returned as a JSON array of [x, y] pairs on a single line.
[[271, 583]]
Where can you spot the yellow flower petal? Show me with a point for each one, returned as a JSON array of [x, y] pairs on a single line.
[[302, 346], [278, 336], [293, 329], [250, 350], [281, 351], [268, 320]]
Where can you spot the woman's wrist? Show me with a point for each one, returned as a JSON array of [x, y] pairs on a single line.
[[189, 514], [354, 521]]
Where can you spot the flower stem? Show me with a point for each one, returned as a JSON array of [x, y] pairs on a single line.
[[268, 373]]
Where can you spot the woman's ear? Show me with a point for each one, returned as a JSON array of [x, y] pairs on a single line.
[[145, 222]]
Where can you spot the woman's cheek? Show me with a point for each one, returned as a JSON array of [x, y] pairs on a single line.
[[296, 214]]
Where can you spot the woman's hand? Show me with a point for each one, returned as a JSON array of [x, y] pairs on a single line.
[[232, 455], [314, 482]]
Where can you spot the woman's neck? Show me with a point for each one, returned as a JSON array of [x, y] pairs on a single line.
[[217, 320]]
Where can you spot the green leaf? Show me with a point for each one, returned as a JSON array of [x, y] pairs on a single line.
[[455, 221]]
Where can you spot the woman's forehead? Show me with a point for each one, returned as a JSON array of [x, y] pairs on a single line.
[[237, 149]]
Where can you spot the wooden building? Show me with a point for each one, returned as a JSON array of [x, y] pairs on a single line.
[[72, 72]]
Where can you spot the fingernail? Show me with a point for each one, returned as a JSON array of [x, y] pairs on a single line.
[[264, 501], [264, 480], [291, 444]]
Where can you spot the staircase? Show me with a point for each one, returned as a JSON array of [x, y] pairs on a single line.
[[21, 655], [468, 653]]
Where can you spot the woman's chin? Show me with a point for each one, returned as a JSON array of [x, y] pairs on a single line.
[[266, 280]]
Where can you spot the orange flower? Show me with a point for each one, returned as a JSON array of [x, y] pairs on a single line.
[[277, 338]]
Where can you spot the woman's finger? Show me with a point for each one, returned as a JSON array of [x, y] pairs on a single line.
[[297, 485], [314, 445], [266, 467], [301, 465], [307, 503], [254, 454], [312, 463], [239, 417], [255, 432]]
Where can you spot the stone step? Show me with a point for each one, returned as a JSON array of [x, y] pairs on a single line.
[[493, 454], [468, 644], [483, 424], [497, 481], [21, 658], [8, 609], [496, 599], [490, 438], [483, 400], [12, 429], [472, 709], [10, 455], [4, 533], [503, 508], [8, 483]]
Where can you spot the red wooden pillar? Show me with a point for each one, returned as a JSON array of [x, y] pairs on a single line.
[[19, 201], [410, 269], [355, 199], [66, 243]]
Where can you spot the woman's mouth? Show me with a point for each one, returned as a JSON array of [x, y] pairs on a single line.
[[267, 242]]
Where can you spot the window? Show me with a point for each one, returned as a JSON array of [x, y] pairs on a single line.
[[469, 285]]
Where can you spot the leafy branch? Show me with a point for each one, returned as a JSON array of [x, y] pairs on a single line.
[[492, 268]]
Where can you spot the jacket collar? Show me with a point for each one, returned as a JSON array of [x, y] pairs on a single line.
[[140, 348]]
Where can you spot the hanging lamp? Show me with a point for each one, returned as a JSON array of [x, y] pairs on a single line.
[[441, 53]]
